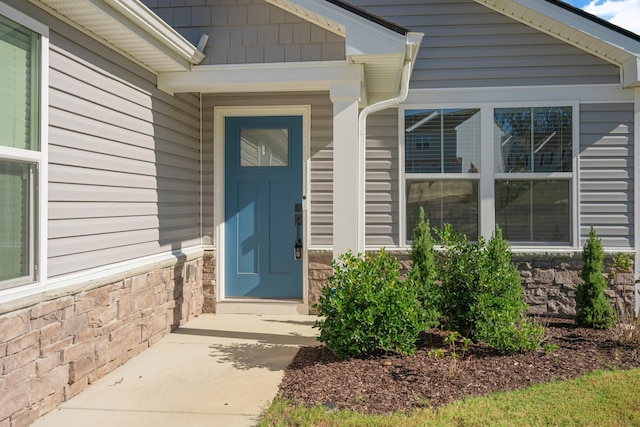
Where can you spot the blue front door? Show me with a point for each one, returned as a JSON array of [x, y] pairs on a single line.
[[263, 215]]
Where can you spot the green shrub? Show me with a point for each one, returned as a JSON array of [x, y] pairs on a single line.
[[482, 293], [364, 307], [592, 307], [423, 273]]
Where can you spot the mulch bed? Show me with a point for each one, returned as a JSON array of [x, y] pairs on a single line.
[[389, 382]]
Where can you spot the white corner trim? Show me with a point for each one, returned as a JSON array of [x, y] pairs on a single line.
[[631, 72]]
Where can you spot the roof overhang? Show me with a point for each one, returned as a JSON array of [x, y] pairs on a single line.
[[376, 51], [572, 26], [273, 77], [130, 28]]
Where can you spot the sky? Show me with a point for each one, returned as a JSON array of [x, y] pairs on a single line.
[[623, 13]]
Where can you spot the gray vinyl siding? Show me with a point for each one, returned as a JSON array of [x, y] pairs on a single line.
[[606, 173], [124, 159], [321, 152], [469, 45], [382, 189], [249, 31]]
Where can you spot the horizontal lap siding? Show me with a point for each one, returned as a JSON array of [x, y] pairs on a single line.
[[382, 191], [321, 191], [470, 45], [606, 173], [124, 160]]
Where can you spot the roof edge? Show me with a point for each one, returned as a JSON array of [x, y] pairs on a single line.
[[369, 16], [595, 19], [142, 17]]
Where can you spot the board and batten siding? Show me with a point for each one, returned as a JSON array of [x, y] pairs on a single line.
[[606, 173], [124, 174], [382, 188], [249, 31], [469, 45], [321, 153]]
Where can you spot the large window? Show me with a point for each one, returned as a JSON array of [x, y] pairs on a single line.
[[442, 165], [20, 156], [525, 185], [534, 163]]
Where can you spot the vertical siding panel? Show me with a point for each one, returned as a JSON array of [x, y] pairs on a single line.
[[124, 159], [469, 45], [606, 173], [321, 152]]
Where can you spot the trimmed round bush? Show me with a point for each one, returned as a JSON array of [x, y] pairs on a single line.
[[365, 307]]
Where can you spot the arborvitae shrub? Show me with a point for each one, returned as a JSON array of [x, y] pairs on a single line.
[[592, 307], [482, 293], [423, 273], [365, 308]]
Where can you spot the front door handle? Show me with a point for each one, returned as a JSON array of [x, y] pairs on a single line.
[[297, 247]]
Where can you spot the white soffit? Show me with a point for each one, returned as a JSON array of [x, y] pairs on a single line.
[[574, 29], [131, 28]]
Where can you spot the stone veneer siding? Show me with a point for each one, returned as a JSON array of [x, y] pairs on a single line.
[[319, 271], [209, 282], [51, 351], [549, 281]]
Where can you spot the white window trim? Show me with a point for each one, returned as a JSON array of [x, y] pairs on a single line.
[[487, 176], [40, 158]]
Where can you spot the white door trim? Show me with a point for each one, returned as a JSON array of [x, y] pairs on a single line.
[[219, 172]]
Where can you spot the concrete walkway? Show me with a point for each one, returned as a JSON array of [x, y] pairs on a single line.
[[217, 370]]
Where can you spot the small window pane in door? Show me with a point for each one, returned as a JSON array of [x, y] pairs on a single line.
[[264, 147]]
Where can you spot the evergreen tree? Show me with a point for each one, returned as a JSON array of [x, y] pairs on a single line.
[[592, 307]]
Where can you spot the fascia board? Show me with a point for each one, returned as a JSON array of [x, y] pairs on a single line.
[[154, 26], [362, 36], [573, 20], [289, 76], [136, 21]]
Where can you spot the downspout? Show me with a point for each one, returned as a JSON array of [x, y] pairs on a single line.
[[412, 47]]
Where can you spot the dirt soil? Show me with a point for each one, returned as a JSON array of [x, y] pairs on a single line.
[[389, 382]]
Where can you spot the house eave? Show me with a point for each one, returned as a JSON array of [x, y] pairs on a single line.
[[616, 47], [273, 77], [128, 27]]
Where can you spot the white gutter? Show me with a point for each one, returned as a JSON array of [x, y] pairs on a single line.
[[136, 12], [412, 47]]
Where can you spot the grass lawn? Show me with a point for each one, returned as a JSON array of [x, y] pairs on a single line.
[[603, 398]]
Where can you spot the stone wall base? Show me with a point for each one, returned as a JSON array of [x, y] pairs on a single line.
[[549, 281], [51, 351], [209, 282]]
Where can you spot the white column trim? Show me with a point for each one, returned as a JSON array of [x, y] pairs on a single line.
[[348, 170]]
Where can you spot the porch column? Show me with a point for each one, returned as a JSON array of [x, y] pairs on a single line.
[[348, 170]]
